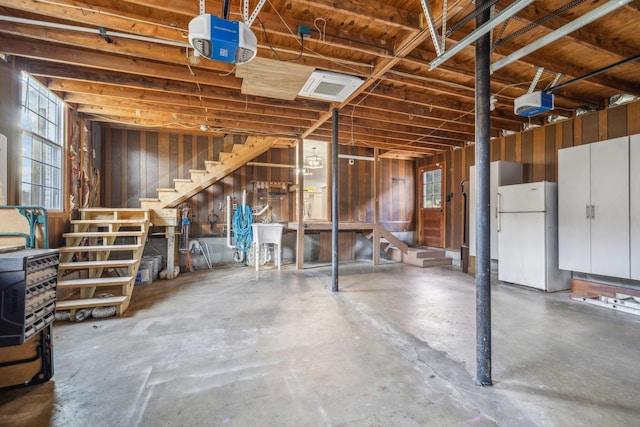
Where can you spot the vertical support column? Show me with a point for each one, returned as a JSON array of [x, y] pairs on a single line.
[[171, 251], [483, 242], [376, 209], [300, 205], [335, 219]]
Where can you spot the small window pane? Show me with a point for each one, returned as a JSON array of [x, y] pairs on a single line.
[[42, 124]]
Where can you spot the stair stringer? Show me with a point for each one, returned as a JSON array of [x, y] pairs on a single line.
[[101, 227], [214, 172]]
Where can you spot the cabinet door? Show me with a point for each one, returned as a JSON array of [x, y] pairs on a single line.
[[634, 203], [610, 201], [574, 228]]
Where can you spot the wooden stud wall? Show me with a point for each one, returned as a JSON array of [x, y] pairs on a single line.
[[136, 163], [536, 149]]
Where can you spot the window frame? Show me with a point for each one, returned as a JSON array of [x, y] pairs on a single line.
[[432, 195], [43, 148]]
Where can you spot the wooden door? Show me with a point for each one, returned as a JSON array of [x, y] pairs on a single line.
[[431, 218]]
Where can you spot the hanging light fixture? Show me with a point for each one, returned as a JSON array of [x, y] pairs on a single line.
[[314, 161]]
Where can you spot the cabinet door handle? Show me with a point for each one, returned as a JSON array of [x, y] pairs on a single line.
[[593, 212], [588, 210]]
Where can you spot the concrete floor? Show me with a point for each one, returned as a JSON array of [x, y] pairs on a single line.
[[396, 347]]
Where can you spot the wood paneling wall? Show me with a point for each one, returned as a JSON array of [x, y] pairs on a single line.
[[537, 149], [136, 163]]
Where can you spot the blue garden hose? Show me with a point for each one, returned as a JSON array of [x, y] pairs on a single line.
[[242, 232]]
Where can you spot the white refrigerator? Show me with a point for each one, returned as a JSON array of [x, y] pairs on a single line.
[[528, 236]]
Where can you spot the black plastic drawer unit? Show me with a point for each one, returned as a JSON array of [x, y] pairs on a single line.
[[28, 280]]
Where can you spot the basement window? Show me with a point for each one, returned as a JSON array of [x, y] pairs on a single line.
[[42, 145]]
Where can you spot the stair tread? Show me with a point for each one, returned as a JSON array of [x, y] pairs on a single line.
[[99, 248], [97, 264], [89, 302], [428, 262], [149, 199], [104, 234], [172, 190], [181, 180], [109, 221], [98, 281]]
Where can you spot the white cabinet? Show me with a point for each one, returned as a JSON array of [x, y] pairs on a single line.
[[593, 208], [634, 203], [501, 173]]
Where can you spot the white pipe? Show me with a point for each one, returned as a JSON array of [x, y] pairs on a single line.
[[91, 30], [263, 210], [229, 245], [244, 200], [349, 156], [271, 165]]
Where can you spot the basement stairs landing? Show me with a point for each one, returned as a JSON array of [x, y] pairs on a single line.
[[103, 242], [399, 251], [420, 257]]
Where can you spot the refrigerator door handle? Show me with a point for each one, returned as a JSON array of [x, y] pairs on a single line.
[[588, 211], [498, 211], [593, 212]]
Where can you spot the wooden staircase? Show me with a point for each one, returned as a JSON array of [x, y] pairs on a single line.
[[111, 239], [213, 172]]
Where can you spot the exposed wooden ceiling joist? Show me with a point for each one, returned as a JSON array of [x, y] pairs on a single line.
[[402, 107]]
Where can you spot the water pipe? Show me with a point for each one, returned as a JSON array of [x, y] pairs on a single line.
[[229, 245]]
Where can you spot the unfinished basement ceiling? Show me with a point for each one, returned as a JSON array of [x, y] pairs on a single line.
[[147, 77]]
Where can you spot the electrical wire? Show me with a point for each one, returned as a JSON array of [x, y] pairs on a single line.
[[333, 60], [266, 39]]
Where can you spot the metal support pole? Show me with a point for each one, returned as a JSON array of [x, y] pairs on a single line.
[[483, 243], [335, 220], [300, 204]]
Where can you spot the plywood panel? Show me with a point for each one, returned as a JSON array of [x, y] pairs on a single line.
[[164, 177], [602, 124], [132, 183], [273, 79], [509, 148], [527, 156], [174, 153], [633, 118], [106, 155], [494, 150], [617, 122], [153, 167], [589, 129], [538, 155], [567, 134], [577, 131], [187, 156], [116, 169], [346, 245], [550, 157]]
